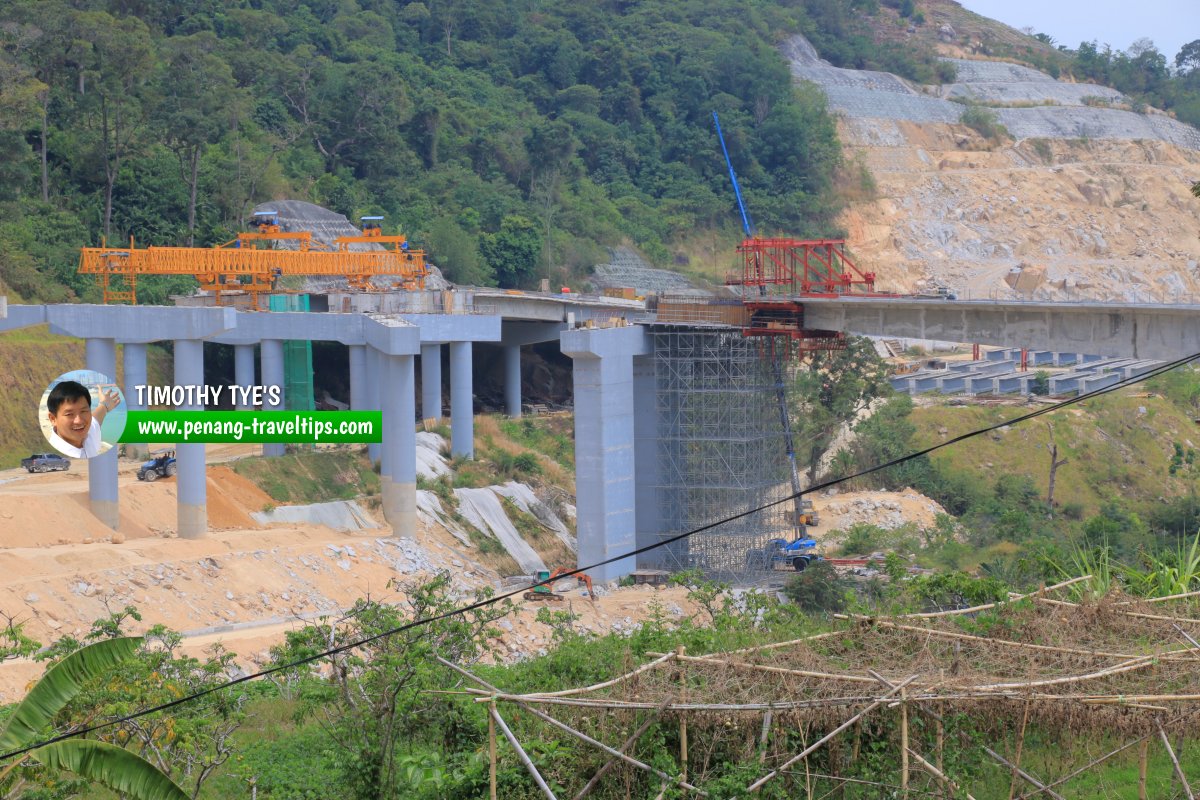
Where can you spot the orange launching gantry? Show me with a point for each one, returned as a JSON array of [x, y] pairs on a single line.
[[251, 263]]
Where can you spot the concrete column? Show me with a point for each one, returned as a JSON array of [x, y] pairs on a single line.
[[101, 356], [371, 398], [135, 375], [431, 381], [243, 370], [604, 445], [512, 379], [189, 458], [272, 375], [399, 477], [357, 354], [462, 401], [384, 381]]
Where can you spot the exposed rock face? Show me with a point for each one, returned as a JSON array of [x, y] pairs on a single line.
[[1084, 199]]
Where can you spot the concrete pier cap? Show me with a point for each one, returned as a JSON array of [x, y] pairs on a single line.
[[605, 477], [139, 323]]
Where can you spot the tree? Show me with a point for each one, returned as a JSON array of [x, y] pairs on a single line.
[[113, 80], [1055, 463], [120, 770], [830, 391], [512, 251], [1188, 58], [197, 86], [370, 700]]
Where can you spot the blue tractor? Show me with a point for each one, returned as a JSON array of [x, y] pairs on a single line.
[[161, 466]]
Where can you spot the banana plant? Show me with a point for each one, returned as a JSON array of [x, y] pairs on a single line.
[[119, 769]]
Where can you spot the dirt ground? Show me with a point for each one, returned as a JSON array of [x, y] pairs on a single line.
[[244, 584]]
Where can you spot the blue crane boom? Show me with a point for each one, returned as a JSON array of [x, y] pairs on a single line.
[[747, 225]]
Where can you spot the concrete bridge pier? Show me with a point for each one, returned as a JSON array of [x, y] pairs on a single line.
[[134, 358], [101, 356], [604, 444], [243, 370], [189, 458], [272, 375], [357, 356], [398, 477], [512, 379], [372, 397], [431, 381], [462, 401]]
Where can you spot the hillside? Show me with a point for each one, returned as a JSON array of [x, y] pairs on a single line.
[[33, 357], [1007, 182]]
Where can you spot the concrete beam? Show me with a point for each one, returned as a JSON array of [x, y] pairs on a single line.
[[605, 468], [1128, 330], [515, 332], [22, 317], [456, 327], [139, 323], [254, 326]]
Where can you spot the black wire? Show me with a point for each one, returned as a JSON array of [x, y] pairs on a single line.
[[578, 570]]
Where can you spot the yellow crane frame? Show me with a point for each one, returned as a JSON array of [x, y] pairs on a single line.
[[241, 265]]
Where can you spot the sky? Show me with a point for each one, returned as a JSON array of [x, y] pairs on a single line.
[[1170, 24]]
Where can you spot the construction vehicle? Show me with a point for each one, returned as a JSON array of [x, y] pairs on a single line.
[[161, 466], [542, 591], [253, 263], [780, 553]]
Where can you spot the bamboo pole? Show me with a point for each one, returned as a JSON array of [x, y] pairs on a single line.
[[903, 742], [1094, 762], [1143, 752], [762, 738], [577, 734], [628, 743], [683, 732], [1187, 789], [1164, 654], [492, 750], [940, 749], [941, 776], [802, 673], [533, 771], [1012, 599], [620, 678], [1016, 766], [941, 743], [754, 787]]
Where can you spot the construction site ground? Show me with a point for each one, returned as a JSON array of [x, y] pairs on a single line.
[[244, 584]]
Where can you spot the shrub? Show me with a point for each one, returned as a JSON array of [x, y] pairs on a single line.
[[818, 589], [983, 121]]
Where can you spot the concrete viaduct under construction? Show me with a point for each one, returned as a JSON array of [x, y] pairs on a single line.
[[638, 434]]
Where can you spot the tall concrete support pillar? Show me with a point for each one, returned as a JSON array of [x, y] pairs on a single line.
[[647, 504], [101, 356], [431, 381], [135, 375], [512, 379], [243, 370], [189, 458], [272, 375], [398, 477], [371, 398], [604, 445], [357, 354], [462, 401]]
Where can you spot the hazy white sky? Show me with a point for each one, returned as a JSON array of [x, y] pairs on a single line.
[[1169, 23]]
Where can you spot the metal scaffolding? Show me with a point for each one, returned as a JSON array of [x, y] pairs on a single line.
[[720, 447]]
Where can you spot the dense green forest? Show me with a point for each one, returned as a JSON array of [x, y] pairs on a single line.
[[504, 136]]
